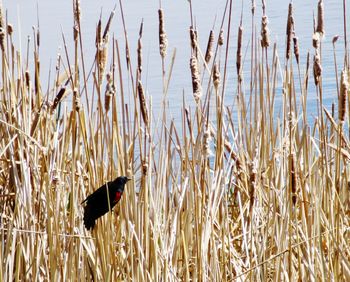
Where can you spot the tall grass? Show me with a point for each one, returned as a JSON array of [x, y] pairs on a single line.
[[252, 194]]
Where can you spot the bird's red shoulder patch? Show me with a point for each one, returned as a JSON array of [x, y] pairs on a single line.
[[117, 196]]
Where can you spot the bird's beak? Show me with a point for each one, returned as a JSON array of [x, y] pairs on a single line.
[[128, 178]]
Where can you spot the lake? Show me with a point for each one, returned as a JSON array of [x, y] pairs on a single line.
[[56, 16]]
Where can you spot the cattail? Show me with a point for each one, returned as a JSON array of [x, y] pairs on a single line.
[[109, 92], [320, 18], [193, 37], [139, 56], [9, 29], [335, 39], [253, 7], [265, 40], [316, 40], [296, 48], [307, 70], [317, 68], [27, 78], [2, 28], [293, 176], [221, 38], [216, 77], [163, 41], [139, 51], [143, 105], [344, 88], [77, 11], [289, 31], [98, 34], [58, 98], [102, 56], [239, 52], [77, 15], [206, 143], [209, 52], [196, 83], [76, 97]]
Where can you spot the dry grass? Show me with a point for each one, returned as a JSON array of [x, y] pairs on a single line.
[[221, 195]]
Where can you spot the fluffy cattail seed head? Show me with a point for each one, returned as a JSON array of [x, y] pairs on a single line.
[[193, 37], [109, 92], [317, 68], [163, 41], [216, 77], [316, 40], [221, 38], [265, 40], [196, 82]]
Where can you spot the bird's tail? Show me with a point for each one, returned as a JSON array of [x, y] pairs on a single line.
[[89, 220]]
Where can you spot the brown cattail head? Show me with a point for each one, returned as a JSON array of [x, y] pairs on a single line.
[[9, 29], [163, 41], [76, 97], [196, 82], [77, 11], [265, 40], [143, 105], [293, 176], [296, 48], [216, 77], [316, 40], [317, 68], [209, 52], [239, 52], [27, 78], [344, 88], [221, 38], [139, 56], [253, 7], [2, 28], [58, 98], [110, 91], [335, 39], [320, 18], [290, 29]]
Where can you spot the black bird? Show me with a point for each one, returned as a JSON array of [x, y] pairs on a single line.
[[97, 203]]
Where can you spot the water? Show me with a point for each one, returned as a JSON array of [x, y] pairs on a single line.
[[56, 17]]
